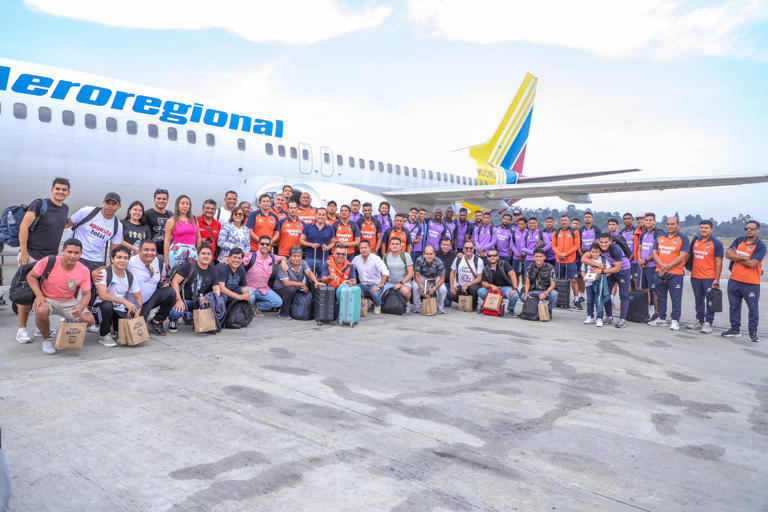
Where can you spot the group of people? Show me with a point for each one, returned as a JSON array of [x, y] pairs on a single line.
[[164, 264]]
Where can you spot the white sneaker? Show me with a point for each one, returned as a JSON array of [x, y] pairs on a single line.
[[51, 333], [49, 347], [599, 322], [706, 328], [107, 341], [658, 323], [609, 320], [589, 320], [674, 326], [93, 328], [693, 327], [376, 310], [22, 336]]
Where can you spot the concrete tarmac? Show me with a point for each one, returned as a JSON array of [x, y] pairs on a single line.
[[460, 412]]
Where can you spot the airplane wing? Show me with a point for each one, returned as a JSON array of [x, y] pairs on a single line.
[[571, 176], [568, 191]]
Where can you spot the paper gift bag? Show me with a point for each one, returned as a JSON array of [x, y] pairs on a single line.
[[204, 320], [365, 305], [132, 331], [465, 303], [71, 335], [493, 301], [544, 310], [429, 306]]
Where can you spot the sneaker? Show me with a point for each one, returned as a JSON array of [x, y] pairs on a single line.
[[94, 328], [578, 305], [589, 320], [599, 322], [376, 310], [694, 327], [753, 337], [654, 316], [622, 323], [157, 327], [674, 325], [257, 311], [51, 333], [706, 328], [49, 347], [658, 322], [284, 317], [22, 336], [173, 326], [609, 320], [107, 341], [440, 311], [731, 333]]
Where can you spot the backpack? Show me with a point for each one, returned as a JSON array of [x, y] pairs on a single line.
[[530, 309], [393, 302], [621, 242], [540, 243], [301, 309], [20, 291], [239, 315], [110, 276], [11, 222], [175, 270], [689, 261], [402, 258], [88, 217]]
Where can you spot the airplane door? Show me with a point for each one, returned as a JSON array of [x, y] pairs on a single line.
[[305, 158], [326, 162]]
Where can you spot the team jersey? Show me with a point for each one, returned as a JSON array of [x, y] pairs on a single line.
[[346, 234], [414, 229], [369, 229], [647, 243], [705, 254], [261, 225], [338, 273], [385, 221], [462, 230], [564, 240], [332, 221], [280, 214], [588, 236], [307, 215], [504, 242], [755, 251], [290, 234], [629, 236], [669, 248], [402, 235]]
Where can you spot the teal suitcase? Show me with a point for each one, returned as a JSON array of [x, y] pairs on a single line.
[[350, 303]]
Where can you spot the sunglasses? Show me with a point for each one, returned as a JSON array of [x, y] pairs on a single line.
[[265, 243], [751, 229], [239, 213], [493, 255], [469, 248], [161, 191]]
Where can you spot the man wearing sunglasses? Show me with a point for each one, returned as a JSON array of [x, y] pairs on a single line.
[[746, 254], [499, 275], [156, 217], [466, 274]]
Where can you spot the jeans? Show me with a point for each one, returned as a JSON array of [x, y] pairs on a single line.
[[751, 295], [675, 287], [174, 315], [551, 297], [508, 291], [265, 301], [374, 296], [287, 294], [440, 295], [701, 289], [623, 279], [468, 290], [592, 302], [164, 299]]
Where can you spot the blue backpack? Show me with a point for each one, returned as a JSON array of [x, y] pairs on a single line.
[[11, 221], [301, 309]]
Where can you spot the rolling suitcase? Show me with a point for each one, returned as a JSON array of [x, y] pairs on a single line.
[[638, 307], [325, 304], [563, 287], [350, 298]]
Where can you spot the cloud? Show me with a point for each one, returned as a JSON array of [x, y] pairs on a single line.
[[613, 29], [294, 22]]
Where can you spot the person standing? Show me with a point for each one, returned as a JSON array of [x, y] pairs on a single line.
[[224, 213], [746, 254], [588, 234], [706, 267], [370, 229], [262, 222], [279, 208], [247, 208], [484, 237], [346, 233], [533, 239], [157, 217], [39, 237], [504, 237], [209, 227], [289, 231], [385, 220], [397, 231], [414, 230], [549, 234], [450, 223], [629, 235], [670, 253], [645, 262], [436, 231], [355, 215], [566, 243], [463, 230], [331, 216], [518, 244], [615, 265], [306, 212], [317, 239], [135, 230], [181, 234], [234, 234]]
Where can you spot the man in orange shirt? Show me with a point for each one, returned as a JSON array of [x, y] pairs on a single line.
[[289, 231], [670, 251], [746, 254], [279, 208], [347, 233], [706, 266], [370, 229], [305, 212], [262, 222], [565, 243], [331, 217]]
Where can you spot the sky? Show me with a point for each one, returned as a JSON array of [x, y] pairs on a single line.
[[674, 88]]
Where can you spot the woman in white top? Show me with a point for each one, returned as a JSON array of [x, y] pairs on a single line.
[[234, 234]]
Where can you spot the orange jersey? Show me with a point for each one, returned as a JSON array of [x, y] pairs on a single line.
[[755, 251], [332, 221], [346, 234], [369, 229], [668, 248], [338, 273], [290, 234], [307, 215], [564, 240], [261, 225], [280, 214], [401, 235], [705, 256]]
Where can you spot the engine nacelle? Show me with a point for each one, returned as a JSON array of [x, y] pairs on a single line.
[[322, 192]]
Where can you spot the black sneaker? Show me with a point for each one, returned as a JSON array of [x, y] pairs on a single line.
[[731, 333], [172, 326], [157, 327], [753, 337], [578, 305]]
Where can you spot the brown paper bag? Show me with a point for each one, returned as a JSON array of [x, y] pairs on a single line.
[[429, 306], [71, 335], [465, 303], [132, 331], [544, 310], [204, 320], [365, 305], [493, 301]]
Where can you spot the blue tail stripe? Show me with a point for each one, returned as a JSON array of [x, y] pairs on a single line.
[[517, 146]]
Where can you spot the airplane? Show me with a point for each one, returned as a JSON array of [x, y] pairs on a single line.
[[112, 135]]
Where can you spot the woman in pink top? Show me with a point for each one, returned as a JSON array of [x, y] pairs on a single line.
[[181, 234]]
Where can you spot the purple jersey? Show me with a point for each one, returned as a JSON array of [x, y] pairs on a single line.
[[461, 232], [588, 236], [414, 229], [484, 237], [354, 217], [647, 241], [530, 240], [629, 236], [435, 232], [548, 235], [451, 225], [385, 221], [518, 241], [614, 254], [504, 242]]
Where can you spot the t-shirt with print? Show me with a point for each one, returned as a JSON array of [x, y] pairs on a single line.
[[397, 269], [202, 284], [233, 281], [44, 240], [63, 284], [95, 233], [465, 275], [119, 288], [156, 222], [134, 234]]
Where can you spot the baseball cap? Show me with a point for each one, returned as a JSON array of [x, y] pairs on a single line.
[[516, 211], [112, 196]]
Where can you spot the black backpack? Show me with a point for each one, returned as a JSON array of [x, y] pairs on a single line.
[[621, 242], [301, 309], [175, 270], [239, 315], [88, 217], [689, 261], [530, 309], [393, 302], [19, 291], [127, 273]]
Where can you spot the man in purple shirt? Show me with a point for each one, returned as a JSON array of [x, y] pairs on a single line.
[[450, 222], [532, 240], [484, 237], [354, 214], [518, 240], [414, 229], [504, 237], [647, 264], [436, 231], [628, 233], [463, 229], [383, 217], [549, 233], [589, 233]]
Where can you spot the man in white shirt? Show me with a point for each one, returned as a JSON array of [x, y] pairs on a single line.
[[224, 213], [466, 274], [114, 287], [372, 274]]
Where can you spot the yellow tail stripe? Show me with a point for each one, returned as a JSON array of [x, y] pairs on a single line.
[[512, 114], [518, 122]]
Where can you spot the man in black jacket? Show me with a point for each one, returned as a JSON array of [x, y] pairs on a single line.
[[540, 280], [499, 275]]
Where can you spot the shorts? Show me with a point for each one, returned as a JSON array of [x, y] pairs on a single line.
[[648, 278], [567, 270], [62, 308]]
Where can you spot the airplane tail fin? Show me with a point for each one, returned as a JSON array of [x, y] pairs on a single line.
[[500, 160]]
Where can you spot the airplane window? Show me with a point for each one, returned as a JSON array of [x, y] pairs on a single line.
[[381, 167], [452, 178], [294, 153], [362, 163], [326, 158], [90, 121], [191, 137], [269, 149], [152, 130], [339, 160], [406, 171], [431, 176], [44, 114], [371, 165], [210, 139], [131, 127], [172, 134], [305, 154], [389, 168], [438, 176], [423, 174], [352, 162], [281, 150], [68, 117], [445, 177], [241, 144], [397, 169], [19, 111]]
